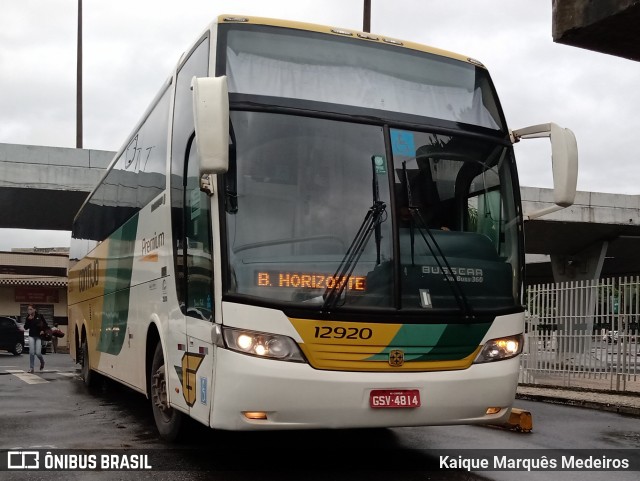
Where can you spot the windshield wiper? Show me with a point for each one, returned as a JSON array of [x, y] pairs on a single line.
[[370, 224], [456, 289], [348, 263]]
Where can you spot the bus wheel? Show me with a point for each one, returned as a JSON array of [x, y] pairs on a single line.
[[87, 375], [168, 420]]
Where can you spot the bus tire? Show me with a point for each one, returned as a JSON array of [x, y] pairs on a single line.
[[168, 420], [88, 376]]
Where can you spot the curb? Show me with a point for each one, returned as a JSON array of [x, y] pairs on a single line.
[[602, 406]]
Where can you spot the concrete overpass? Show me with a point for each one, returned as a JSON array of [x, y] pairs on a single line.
[[599, 236], [607, 26], [43, 187]]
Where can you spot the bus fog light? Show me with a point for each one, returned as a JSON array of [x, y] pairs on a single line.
[[255, 415], [493, 410], [262, 344], [500, 349]]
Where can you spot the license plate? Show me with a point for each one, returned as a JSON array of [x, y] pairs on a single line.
[[393, 398]]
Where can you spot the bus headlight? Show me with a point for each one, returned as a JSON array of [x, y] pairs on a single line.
[[261, 344], [500, 349]]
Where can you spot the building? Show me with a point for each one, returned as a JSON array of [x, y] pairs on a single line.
[[35, 276]]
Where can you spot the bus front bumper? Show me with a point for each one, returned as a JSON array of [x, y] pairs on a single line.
[[259, 394]]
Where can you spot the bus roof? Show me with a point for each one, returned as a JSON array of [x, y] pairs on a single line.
[[371, 37]]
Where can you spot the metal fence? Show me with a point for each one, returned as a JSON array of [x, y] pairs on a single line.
[[583, 334]]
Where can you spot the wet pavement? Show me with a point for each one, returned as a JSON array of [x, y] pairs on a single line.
[[52, 410]]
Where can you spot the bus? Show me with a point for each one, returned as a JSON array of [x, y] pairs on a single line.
[[311, 227]]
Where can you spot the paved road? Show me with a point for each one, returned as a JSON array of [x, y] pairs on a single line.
[[53, 410]]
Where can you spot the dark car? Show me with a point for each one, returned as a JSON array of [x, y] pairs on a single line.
[[11, 336]]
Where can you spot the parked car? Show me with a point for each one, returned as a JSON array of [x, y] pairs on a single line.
[[611, 337], [11, 336], [46, 345]]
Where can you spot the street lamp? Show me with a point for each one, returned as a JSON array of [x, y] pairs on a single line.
[[366, 17], [79, 80]]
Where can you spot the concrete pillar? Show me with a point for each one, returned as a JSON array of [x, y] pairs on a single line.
[[584, 266], [578, 317]]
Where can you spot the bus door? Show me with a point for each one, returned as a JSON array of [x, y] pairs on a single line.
[[198, 294], [191, 224]]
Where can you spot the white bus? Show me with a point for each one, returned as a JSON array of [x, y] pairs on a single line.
[[311, 227]]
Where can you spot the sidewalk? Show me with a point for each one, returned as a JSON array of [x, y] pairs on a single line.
[[588, 393]]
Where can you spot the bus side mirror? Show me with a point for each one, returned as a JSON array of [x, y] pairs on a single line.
[[211, 119], [564, 159]]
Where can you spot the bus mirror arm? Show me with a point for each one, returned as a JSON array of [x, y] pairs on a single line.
[[211, 120], [564, 159], [206, 184]]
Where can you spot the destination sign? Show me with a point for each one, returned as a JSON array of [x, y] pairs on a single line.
[[309, 280]]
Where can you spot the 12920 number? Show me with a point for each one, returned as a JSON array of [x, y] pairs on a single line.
[[339, 332]]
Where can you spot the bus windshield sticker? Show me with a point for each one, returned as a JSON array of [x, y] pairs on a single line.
[[380, 164], [402, 143]]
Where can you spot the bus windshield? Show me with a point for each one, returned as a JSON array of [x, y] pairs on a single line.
[[302, 188], [289, 63]]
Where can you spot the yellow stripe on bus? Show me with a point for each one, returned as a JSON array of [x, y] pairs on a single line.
[[356, 346]]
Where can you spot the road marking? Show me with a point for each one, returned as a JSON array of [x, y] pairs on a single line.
[[27, 377], [35, 377]]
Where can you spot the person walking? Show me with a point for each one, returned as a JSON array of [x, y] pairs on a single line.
[[37, 326]]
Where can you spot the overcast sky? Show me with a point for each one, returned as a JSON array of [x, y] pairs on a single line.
[[130, 46]]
